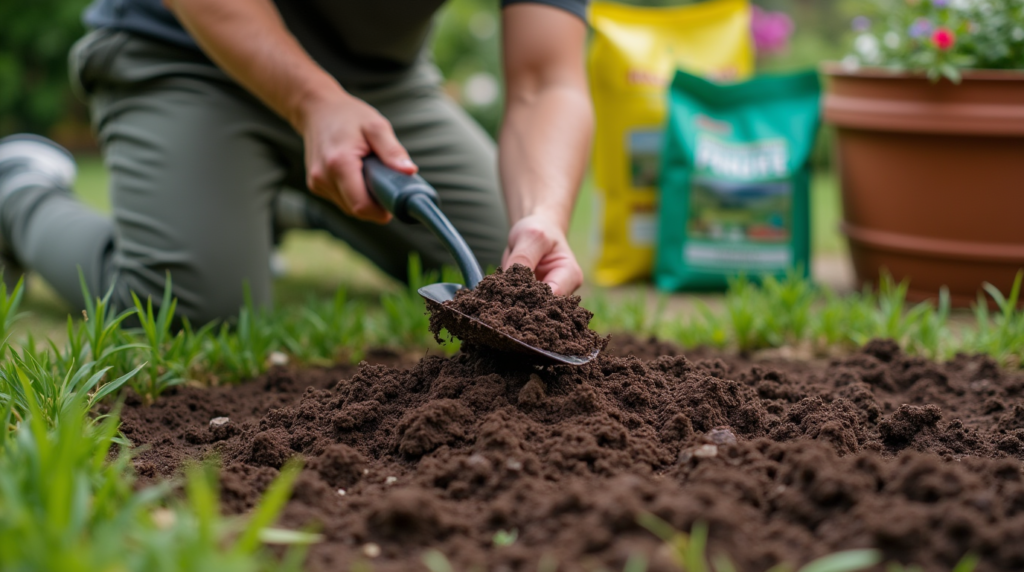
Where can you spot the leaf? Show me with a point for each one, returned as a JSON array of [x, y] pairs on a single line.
[[435, 561], [848, 561], [285, 536], [635, 563], [269, 508], [657, 526], [967, 564]]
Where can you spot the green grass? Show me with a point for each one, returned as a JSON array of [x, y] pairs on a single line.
[[68, 500]]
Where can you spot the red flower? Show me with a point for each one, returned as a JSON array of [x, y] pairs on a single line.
[[943, 38]]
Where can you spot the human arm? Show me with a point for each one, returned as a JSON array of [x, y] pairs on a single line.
[[545, 138], [250, 42]]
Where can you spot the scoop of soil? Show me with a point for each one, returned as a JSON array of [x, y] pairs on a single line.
[[515, 303]]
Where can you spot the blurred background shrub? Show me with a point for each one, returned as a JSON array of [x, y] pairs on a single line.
[[35, 36]]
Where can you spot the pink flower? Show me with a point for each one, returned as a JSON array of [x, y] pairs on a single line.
[[944, 38], [771, 30]]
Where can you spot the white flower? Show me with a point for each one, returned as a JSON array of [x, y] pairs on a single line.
[[867, 47], [892, 40]]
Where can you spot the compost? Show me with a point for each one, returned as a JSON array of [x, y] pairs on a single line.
[[783, 461], [513, 302]]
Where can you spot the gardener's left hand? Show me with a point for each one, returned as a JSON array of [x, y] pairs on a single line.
[[541, 245]]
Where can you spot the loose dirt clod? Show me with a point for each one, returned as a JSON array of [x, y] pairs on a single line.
[[783, 461], [516, 304]]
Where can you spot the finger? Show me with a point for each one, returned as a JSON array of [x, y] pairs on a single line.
[[527, 253], [563, 280], [356, 200], [384, 143]]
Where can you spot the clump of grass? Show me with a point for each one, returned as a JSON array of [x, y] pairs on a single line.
[[1000, 334], [794, 312], [68, 502], [690, 552]]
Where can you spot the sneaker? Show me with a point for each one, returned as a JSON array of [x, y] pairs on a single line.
[[27, 160], [26, 153]]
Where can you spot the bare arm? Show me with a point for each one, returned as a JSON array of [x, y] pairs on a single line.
[[250, 42], [545, 137]]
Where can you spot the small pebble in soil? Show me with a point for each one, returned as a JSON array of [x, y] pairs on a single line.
[[371, 550], [706, 451], [390, 481], [341, 492], [278, 359], [219, 422]]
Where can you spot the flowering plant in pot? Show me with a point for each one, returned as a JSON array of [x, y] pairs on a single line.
[[929, 117], [941, 37]]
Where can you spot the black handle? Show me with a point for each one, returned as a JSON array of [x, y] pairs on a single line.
[[393, 189], [410, 198]]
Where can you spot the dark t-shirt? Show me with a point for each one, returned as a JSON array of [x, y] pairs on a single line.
[[358, 41]]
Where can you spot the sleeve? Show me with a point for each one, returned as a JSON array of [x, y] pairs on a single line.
[[575, 7]]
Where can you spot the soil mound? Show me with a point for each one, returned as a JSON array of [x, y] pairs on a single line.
[[783, 461], [516, 304]]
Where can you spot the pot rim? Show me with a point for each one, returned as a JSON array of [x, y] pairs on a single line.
[[837, 69]]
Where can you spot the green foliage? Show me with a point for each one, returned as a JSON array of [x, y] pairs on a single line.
[[67, 502], [793, 312], [102, 327], [466, 48], [505, 537], [1000, 335], [35, 38], [436, 561], [966, 564], [690, 552], [943, 38]]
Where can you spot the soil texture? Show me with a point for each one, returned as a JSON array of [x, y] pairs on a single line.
[[516, 304], [785, 462]]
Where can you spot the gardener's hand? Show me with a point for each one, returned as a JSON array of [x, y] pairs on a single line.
[[338, 133], [540, 244]]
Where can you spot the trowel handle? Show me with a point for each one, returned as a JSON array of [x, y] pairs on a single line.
[[393, 189], [410, 198]]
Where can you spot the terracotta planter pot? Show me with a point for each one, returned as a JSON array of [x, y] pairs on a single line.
[[932, 177]]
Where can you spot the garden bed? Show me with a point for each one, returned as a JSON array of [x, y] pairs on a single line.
[[507, 467]]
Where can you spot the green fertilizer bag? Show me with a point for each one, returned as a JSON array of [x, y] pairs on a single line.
[[735, 177]]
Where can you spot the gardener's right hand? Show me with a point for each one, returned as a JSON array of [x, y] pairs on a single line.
[[338, 132]]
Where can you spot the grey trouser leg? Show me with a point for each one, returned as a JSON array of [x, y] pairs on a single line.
[[195, 162]]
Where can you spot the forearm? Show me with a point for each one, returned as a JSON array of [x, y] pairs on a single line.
[[544, 146], [275, 68]]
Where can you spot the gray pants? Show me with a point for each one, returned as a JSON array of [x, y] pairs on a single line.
[[196, 163]]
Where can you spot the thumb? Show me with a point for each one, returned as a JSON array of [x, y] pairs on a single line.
[[385, 145]]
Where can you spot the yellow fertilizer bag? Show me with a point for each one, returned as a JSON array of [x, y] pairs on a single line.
[[632, 59]]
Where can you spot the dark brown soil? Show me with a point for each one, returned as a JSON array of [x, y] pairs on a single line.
[[784, 461], [516, 304]]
